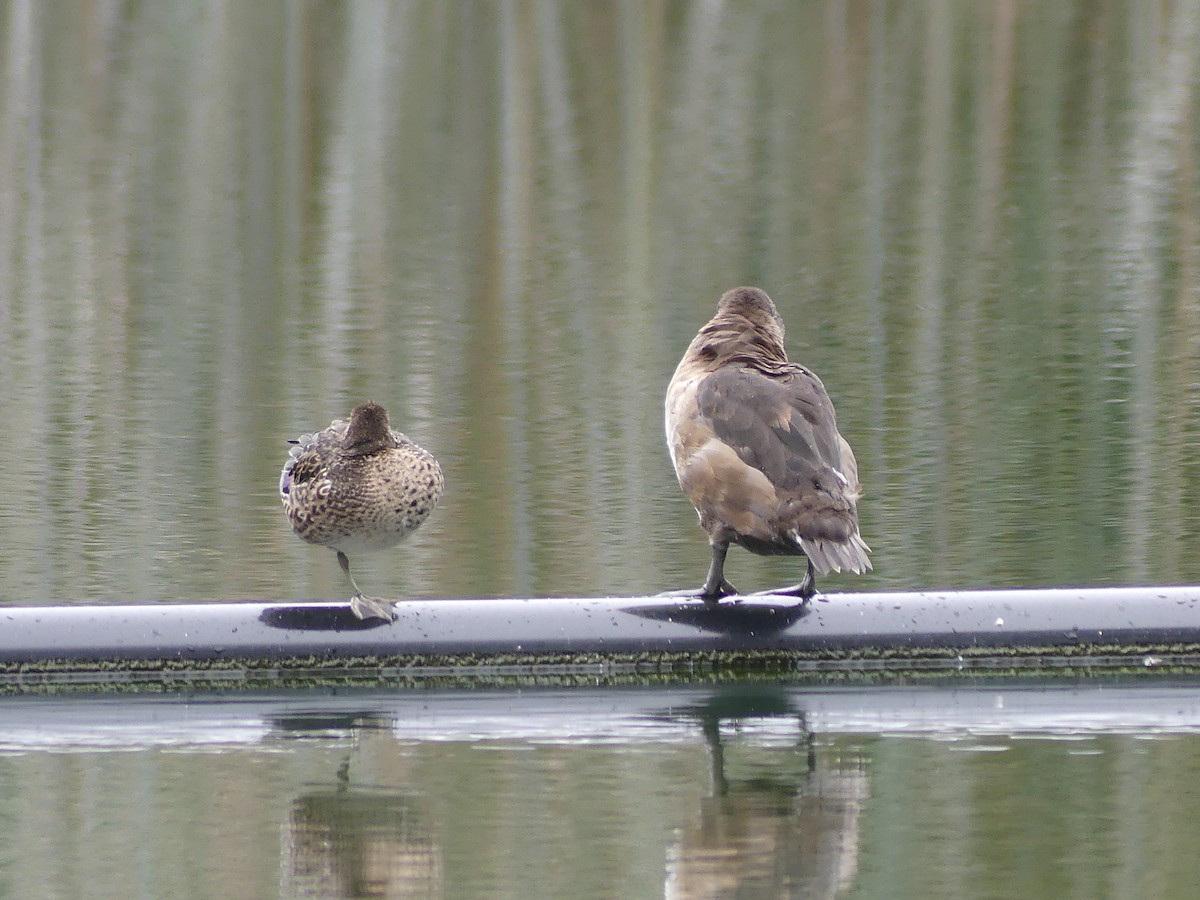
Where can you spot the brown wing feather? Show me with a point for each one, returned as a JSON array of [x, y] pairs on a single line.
[[781, 424]]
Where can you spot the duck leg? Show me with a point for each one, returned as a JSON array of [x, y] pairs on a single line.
[[361, 605], [715, 586]]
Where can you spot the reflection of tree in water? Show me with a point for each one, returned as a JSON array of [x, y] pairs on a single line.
[[783, 831], [348, 842]]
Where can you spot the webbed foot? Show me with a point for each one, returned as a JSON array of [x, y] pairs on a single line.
[[805, 590], [372, 608], [722, 590], [714, 594]]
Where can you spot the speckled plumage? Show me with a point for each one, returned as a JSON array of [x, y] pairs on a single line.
[[359, 485]]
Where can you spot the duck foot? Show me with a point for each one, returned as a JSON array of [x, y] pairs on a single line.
[[725, 589], [372, 608], [807, 589], [793, 591]]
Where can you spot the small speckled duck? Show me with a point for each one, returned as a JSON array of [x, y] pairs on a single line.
[[757, 450], [358, 486]]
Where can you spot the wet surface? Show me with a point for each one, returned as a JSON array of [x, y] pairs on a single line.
[[757, 787]]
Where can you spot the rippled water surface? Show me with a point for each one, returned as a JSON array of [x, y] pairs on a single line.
[[225, 223], [743, 790], [222, 224]]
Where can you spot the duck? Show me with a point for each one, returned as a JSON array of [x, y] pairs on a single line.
[[754, 442], [359, 486]]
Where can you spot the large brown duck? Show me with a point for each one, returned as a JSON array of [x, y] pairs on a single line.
[[756, 449]]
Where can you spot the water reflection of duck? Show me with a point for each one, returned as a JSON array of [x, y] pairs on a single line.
[[360, 843], [786, 830], [756, 448], [356, 486], [347, 840]]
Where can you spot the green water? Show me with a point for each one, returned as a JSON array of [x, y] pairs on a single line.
[[996, 790], [225, 223]]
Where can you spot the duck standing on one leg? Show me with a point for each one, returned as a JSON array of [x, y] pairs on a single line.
[[756, 448], [358, 486]]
